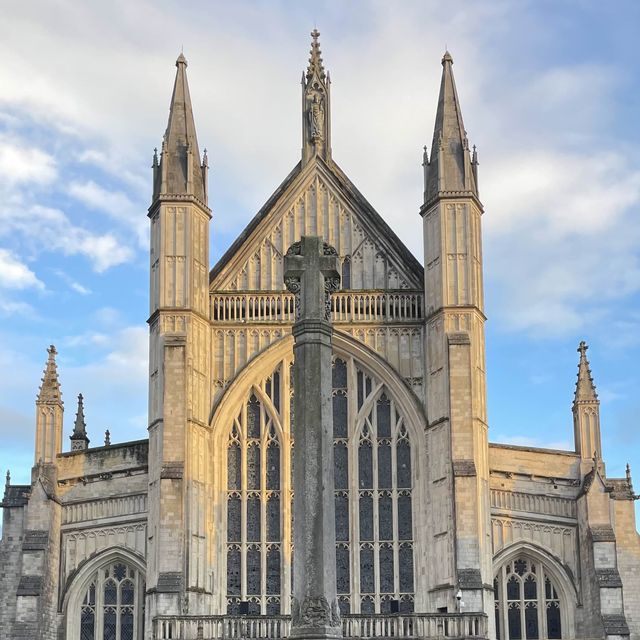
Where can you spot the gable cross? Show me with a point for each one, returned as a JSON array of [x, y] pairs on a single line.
[[311, 274]]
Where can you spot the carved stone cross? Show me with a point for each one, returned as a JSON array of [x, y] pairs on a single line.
[[311, 273]]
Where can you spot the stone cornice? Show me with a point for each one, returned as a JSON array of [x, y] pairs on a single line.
[[168, 198]]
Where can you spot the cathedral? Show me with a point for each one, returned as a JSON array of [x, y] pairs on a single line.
[[435, 531]]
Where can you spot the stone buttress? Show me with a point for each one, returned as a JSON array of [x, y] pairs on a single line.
[[179, 568], [458, 495], [31, 527]]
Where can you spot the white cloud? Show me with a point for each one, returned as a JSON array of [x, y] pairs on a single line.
[[21, 163], [15, 274], [115, 203], [10, 308], [81, 289], [49, 229]]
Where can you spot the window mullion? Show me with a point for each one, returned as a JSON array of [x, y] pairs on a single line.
[[99, 619], [243, 508], [505, 605], [374, 508], [264, 444], [118, 609]]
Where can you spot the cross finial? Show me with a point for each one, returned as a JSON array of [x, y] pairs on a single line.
[[311, 274], [582, 348]]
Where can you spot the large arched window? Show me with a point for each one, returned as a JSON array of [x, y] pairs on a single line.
[[113, 604], [527, 603], [373, 493]]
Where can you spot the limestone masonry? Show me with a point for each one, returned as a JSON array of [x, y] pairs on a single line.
[[408, 523]]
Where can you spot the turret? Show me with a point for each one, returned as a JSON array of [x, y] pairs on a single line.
[[178, 576], [49, 413], [586, 411], [79, 438], [316, 106], [455, 362]]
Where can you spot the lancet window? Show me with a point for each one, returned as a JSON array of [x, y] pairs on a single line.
[[112, 608], [373, 496], [527, 603], [254, 502]]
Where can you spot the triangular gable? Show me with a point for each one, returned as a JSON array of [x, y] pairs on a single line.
[[317, 200]]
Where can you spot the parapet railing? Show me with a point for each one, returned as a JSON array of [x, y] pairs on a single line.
[[346, 306], [414, 625]]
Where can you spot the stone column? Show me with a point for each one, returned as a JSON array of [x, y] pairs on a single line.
[[311, 273]]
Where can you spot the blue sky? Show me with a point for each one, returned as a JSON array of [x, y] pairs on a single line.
[[550, 94]]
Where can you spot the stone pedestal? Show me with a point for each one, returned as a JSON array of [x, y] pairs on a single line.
[[311, 273]]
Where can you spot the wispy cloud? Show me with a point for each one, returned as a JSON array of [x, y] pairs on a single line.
[[115, 204], [49, 229], [15, 274], [21, 163]]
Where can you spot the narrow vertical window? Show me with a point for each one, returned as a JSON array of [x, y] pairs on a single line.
[[254, 502]]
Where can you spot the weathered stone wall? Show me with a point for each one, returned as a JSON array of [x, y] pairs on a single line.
[[13, 523], [628, 559]]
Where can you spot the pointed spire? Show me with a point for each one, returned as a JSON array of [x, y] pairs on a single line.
[[451, 167], [316, 101], [180, 171], [79, 438], [585, 388], [315, 59], [50, 387]]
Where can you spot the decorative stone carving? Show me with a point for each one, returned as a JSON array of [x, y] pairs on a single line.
[[315, 612], [315, 114], [331, 285]]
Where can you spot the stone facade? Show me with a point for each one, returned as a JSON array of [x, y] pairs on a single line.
[[189, 534]]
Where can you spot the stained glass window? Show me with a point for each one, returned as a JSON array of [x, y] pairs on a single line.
[[373, 495], [254, 500], [524, 609], [112, 608]]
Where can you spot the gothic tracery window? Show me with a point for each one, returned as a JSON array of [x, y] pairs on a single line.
[[112, 608], [373, 496], [254, 518], [527, 604]]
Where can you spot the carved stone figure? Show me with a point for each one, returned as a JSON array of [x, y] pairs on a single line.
[[316, 116]]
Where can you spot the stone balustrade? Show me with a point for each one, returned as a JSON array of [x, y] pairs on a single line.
[[415, 625], [346, 306]]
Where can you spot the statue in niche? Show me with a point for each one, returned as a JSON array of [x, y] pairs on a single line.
[[316, 115]]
